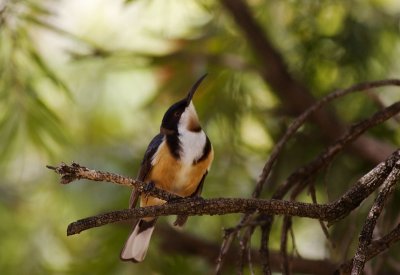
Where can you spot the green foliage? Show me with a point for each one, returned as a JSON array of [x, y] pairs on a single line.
[[90, 83], [25, 113]]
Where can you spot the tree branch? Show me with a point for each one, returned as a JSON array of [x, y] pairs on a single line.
[[300, 120], [293, 94], [70, 173], [198, 207], [368, 228], [304, 173], [221, 206], [374, 249]]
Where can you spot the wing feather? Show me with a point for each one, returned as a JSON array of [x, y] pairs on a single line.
[[146, 166]]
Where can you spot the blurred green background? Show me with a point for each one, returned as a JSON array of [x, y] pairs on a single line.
[[88, 81]]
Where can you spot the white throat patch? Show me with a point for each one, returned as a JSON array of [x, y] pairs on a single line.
[[192, 143]]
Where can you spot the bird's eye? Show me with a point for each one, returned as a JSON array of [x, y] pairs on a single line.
[[177, 114]]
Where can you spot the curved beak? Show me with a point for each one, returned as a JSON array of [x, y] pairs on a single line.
[[193, 89]]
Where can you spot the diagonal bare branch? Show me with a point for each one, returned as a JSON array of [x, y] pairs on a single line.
[[375, 248], [299, 121], [304, 173], [369, 225]]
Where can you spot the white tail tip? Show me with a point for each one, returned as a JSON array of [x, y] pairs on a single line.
[[137, 244]]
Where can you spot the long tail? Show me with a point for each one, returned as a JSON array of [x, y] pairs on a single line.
[[138, 242]]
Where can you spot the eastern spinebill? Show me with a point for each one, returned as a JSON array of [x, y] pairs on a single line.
[[177, 160]]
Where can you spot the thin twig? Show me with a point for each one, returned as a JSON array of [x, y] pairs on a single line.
[[299, 121], [244, 252], [322, 224], [375, 248], [287, 224], [243, 245], [249, 259], [264, 250], [229, 235], [70, 173], [304, 173], [223, 251], [369, 225], [294, 246]]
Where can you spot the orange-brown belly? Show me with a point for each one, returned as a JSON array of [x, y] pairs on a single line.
[[174, 176]]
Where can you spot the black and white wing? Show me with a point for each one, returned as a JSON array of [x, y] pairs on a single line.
[[146, 166]]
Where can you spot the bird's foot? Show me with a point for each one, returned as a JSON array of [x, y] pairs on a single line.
[[149, 187]]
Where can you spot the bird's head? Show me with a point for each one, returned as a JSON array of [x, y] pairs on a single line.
[[182, 115]]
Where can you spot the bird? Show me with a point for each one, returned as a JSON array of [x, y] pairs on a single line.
[[177, 160]]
